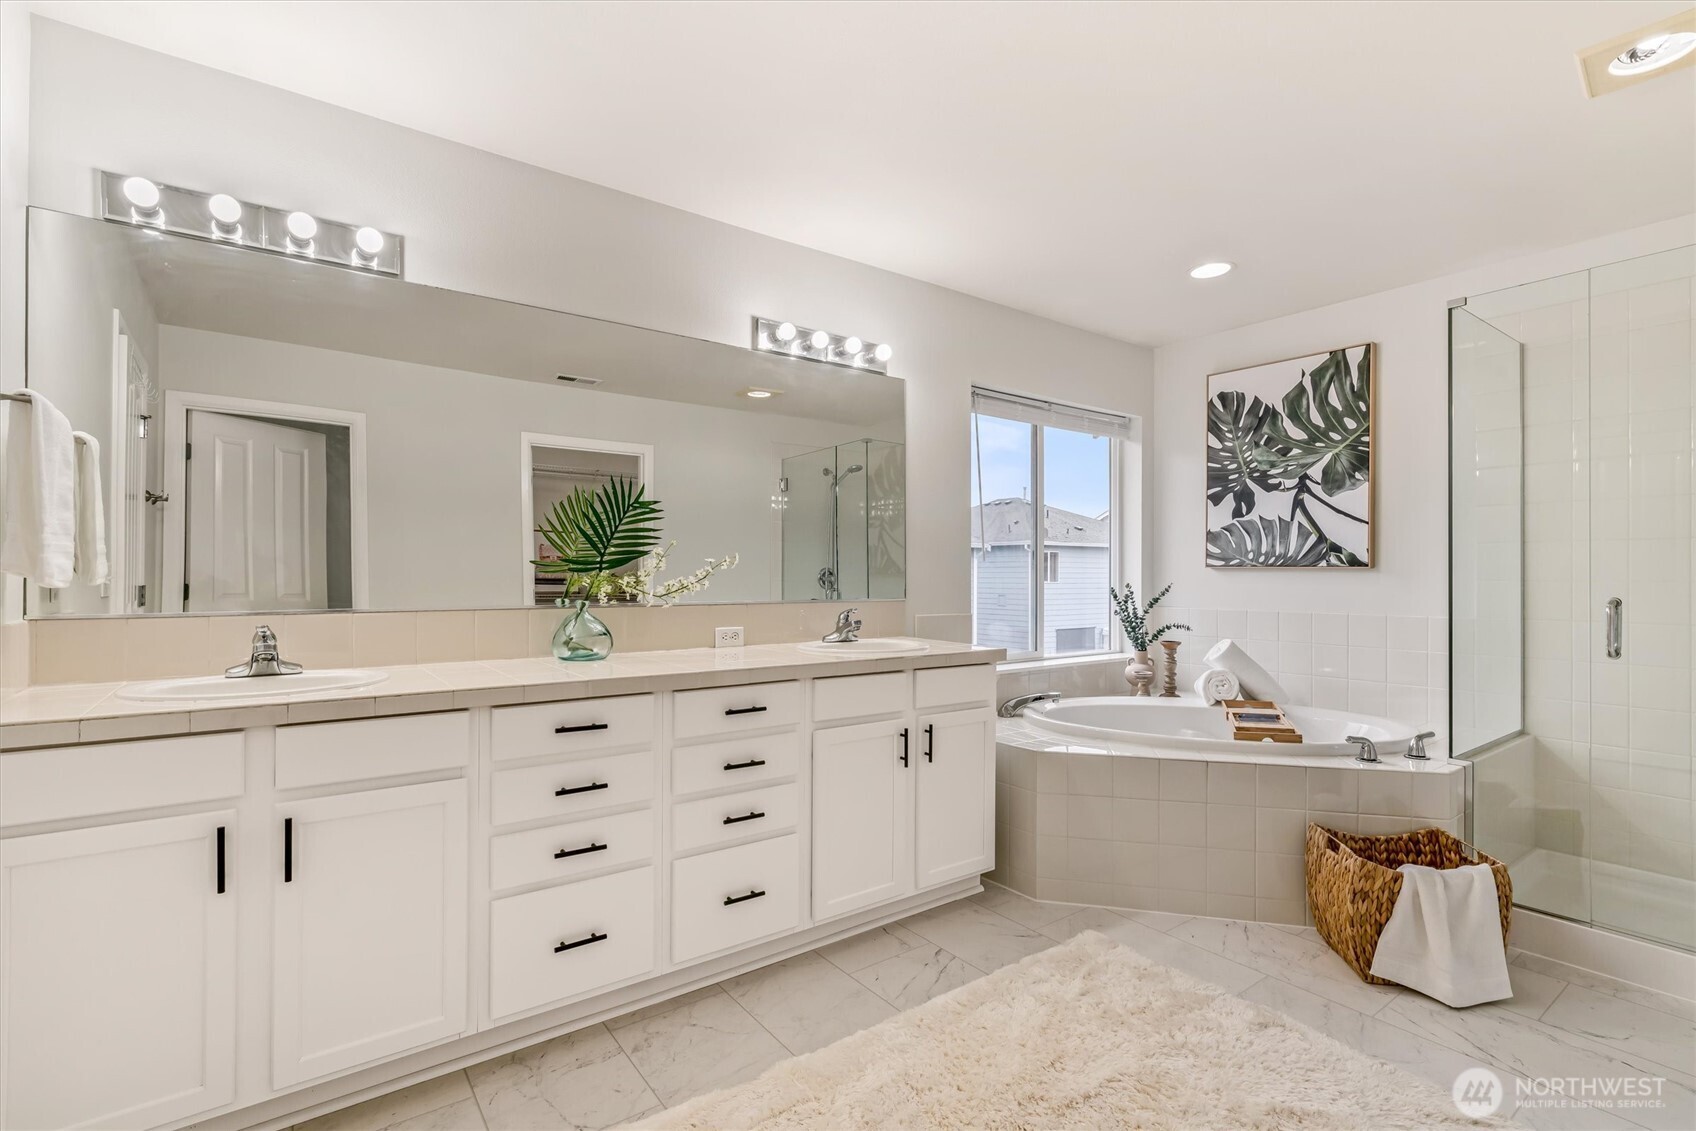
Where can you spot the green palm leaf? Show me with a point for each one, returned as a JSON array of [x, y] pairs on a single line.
[[1239, 431], [601, 530], [1266, 542], [1327, 420]]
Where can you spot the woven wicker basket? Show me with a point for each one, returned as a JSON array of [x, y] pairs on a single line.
[[1352, 884]]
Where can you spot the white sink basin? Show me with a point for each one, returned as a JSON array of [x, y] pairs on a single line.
[[253, 687], [886, 646]]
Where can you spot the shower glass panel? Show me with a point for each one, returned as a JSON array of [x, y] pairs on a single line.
[[844, 522], [1571, 456]]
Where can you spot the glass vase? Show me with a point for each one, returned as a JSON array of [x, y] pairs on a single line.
[[582, 635]]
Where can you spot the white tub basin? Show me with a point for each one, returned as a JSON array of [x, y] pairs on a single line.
[[253, 687], [1192, 725], [877, 646]]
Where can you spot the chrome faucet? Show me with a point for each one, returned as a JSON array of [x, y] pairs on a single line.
[[847, 628], [1416, 748], [1019, 702], [1368, 749], [266, 659]]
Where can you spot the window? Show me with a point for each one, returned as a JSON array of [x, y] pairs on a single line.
[[1044, 547]]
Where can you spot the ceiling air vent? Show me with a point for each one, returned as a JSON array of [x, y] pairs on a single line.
[[586, 382]]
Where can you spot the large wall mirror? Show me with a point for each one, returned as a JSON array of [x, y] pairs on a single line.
[[278, 434]]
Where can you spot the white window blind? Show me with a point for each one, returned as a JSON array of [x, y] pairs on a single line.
[[1031, 410]]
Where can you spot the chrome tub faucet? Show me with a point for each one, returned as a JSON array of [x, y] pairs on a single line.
[[266, 658], [847, 628], [1018, 703]]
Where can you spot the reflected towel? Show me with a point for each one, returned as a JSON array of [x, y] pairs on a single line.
[[1217, 684], [1444, 937], [1256, 683], [92, 567], [38, 538]]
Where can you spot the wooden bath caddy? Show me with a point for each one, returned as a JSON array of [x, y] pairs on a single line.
[[1259, 720]]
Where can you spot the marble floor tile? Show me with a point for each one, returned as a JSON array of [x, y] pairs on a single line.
[[1084, 919], [1180, 954], [1532, 992], [871, 947], [806, 1002], [581, 1080], [396, 1107], [462, 1116], [916, 976], [1310, 965], [1022, 909], [1613, 987], [710, 1043], [1626, 1026], [1159, 920], [978, 935], [660, 1007]]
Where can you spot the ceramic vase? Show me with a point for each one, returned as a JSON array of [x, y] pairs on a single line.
[[582, 635], [1139, 673]]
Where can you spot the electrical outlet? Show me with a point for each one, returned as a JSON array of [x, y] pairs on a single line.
[[727, 637]]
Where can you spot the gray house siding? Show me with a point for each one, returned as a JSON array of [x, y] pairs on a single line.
[[1077, 600], [1003, 613]]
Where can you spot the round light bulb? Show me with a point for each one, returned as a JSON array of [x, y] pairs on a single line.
[[785, 332], [819, 340], [369, 241], [225, 208], [853, 345], [302, 227], [142, 193], [1210, 270], [884, 352]]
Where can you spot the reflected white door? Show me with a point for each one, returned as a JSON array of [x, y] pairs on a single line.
[[257, 514]]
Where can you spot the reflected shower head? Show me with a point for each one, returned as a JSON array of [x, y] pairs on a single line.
[[836, 480]]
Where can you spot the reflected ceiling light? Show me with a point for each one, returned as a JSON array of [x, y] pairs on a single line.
[[1652, 53], [759, 394], [785, 332], [884, 352], [1210, 270], [143, 194], [803, 342]]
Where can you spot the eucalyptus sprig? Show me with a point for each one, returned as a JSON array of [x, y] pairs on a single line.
[[1134, 618]]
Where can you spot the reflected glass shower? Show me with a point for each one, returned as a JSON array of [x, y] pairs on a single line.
[[1571, 595], [844, 523]]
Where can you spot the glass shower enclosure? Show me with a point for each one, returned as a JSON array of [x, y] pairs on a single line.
[[1571, 594], [844, 523]]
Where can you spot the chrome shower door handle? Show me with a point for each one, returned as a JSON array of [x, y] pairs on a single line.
[[1615, 642]]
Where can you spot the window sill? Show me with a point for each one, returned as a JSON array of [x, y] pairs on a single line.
[[1050, 662]]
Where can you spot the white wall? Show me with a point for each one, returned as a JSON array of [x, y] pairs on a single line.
[[480, 223]]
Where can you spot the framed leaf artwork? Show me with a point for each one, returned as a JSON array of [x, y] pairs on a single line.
[[1289, 462]]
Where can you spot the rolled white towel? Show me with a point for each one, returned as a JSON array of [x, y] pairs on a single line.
[[1216, 685], [1253, 678]]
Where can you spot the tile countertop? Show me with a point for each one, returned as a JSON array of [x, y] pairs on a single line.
[[60, 714]]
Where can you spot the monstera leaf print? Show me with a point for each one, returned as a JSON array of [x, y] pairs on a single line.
[[1327, 424], [1238, 430], [1266, 542]]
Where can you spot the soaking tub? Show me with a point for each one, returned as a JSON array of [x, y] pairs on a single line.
[[1191, 725]]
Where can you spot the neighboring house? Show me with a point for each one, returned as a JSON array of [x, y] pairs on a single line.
[[1075, 573]]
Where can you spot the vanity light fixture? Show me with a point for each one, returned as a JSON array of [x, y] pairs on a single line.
[[223, 218], [1211, 270], [849, 350]]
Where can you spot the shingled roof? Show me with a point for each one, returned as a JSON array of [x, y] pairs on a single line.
[[1007, 522]]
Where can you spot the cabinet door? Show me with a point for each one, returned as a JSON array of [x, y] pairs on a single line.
[[370, 948], [954, 819], [862, 824], [117, 974]]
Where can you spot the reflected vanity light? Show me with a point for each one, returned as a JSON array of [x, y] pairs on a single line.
[[759, 394], [224, 219], [849, 350]]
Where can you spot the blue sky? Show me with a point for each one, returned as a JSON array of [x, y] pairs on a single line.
[[1075, 472]]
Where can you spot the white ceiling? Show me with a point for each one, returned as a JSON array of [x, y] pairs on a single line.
[[1074, 160]]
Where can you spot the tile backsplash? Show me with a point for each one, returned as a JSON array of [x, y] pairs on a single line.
[[109, 649]]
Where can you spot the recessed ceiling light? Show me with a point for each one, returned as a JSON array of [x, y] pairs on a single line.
[[759, 394], [1639, 56], [1210, 270], [1653, 53]]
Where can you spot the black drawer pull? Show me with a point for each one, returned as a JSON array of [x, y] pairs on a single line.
[[580, 729], [593, 938], [564, 852], [746, 710], [930, 743], [748, 765], [906, 742], [729, 899], [288, 850], [591, 787], [220, 859], [753, 816]]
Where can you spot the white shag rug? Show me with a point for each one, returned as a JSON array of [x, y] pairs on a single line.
[[1087, 1034]]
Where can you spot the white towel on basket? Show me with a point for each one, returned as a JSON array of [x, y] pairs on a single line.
[[1216, 685], [1255, 681], [92, 566], [1444, 937], [39, 497]]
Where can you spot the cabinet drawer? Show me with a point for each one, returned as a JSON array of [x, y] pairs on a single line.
[[561, 852], [717, 820], [558, 943], [572, 728], [115, 777], [562, 789], [856, 697], [325, 753], [713, 711], [762, 883], [741, 761], [954, 687]]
